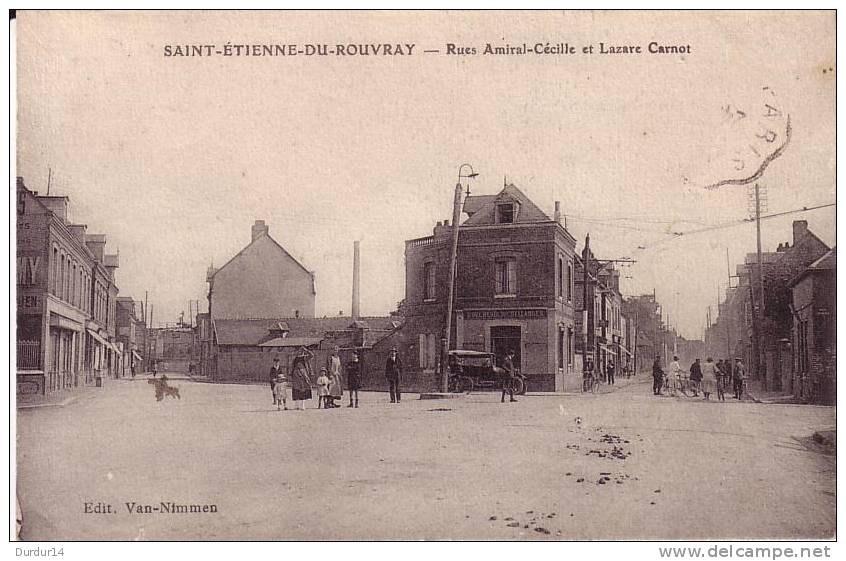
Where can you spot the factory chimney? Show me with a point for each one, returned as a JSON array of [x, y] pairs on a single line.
[[356, 282]]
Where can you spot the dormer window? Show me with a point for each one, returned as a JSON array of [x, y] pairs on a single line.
[[505, 213]]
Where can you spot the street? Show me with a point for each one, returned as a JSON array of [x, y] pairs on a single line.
[[634, 467]]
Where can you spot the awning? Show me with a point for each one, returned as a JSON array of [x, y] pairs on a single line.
[[64, 323], [136, 355], [292, 342], [625, 350], [97, 337], [115, 349]]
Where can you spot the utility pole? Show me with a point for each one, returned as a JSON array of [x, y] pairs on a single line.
[[453, 259], [759, 314], [728, 312]]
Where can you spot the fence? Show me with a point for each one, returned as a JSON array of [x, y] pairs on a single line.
[[29, 354]]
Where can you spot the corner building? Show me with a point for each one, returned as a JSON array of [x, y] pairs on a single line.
[[514, 291]]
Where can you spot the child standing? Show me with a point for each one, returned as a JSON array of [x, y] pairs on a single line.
[[354, 378], [323, 390]]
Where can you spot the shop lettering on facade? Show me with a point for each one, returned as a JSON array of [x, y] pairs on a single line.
[[505, 314]]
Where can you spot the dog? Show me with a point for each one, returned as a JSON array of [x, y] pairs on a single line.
[[163, 389]]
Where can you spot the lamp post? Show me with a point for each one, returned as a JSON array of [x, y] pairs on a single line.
[[456, 216]]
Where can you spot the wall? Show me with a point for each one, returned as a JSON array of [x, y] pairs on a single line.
[[263, 281]]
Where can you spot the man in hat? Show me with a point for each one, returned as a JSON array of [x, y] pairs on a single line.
[[657, 376], [393, 370], [509, 377]]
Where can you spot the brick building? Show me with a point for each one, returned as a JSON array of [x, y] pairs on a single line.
[[513, 291], [66, 299], [733, 331], [131, 333], [814, 336], [261, 281]]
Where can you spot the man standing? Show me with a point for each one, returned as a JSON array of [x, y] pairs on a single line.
[[393, 370], [657, 376], [674, 377], [353, 378], [739, 378], [508, 380], [610, 371]]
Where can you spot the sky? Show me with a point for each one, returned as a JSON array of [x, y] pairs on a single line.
[[173, 158]]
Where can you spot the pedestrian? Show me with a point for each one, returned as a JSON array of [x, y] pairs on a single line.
[[353, 370], [709, 377], [336, 389], [278, 380], [739, 378], [657, 376], [695, 377], [301, 378], [721, 380], [393, 372], [674, 376], [610, 370], [509, 377], [323, 389]]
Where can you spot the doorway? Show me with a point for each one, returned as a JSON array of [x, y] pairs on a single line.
[[506, 338]]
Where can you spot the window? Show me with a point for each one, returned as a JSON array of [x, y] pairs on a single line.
[[55, 281], [506, 275], [560, 277], [429, 281], [569, 281], [73, 285], [571, 354], [505, 213]]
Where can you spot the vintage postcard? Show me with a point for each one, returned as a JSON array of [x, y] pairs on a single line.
[[567, 275]]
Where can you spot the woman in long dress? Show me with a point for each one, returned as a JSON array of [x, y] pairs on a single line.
[[709, 377], [301, 379]]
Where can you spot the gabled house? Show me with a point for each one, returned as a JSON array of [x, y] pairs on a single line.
[[513, 291], [262, 281]]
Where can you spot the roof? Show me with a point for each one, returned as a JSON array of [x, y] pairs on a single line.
[[292, 342], [253, 332], [210, 274], [473, 203], [486, 214], [827, 262]]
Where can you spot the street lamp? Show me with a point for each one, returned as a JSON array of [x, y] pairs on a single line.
[[456, 216]]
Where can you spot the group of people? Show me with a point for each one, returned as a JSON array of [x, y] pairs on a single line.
[[329, 383], [706, 378]]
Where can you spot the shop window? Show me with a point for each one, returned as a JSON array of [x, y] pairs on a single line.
[[506, 275]]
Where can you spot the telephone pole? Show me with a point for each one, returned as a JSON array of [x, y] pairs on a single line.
[[760, 369]]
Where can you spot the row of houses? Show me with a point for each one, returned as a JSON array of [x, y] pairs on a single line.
[[788, 338], [519, 286], [72, 328]]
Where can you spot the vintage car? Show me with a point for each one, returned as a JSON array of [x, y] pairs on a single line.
[[469, 370]]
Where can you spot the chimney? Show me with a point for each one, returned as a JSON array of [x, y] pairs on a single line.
[[78, 230], [800, 227], [259, 229], [56, 205], [557, 215], [356, 282], [97, 244]]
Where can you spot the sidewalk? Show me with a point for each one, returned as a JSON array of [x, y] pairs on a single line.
[[755, 391], [57, 399]]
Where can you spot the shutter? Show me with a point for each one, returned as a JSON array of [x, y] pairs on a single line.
[[512, 277], [422, 350], [432, 350]]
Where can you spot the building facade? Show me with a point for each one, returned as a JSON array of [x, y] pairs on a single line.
[[814, 337], [66, 299], [131, 334], [513, 292]]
